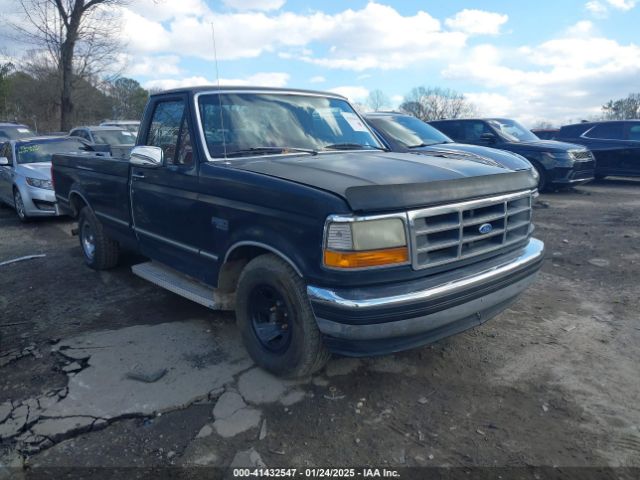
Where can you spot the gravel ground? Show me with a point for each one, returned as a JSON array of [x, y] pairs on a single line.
[[553, 381]]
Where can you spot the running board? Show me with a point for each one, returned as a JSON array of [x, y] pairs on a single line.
[[185, 286]]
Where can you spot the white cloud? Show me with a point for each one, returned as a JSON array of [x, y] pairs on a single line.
[[375, 36], [563, 78], [600, 8], [353, 93], [317, 79], [265, 79], [622, 4], [263, 5], [477, 22], [155, 66]]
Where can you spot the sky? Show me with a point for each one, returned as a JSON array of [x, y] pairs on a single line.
[[545, 61]]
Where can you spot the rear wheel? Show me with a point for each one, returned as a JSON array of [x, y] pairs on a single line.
[[19, 205], [275, 318], [100, 252]]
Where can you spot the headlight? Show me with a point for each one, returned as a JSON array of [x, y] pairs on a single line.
[[38, 183], [366, 243]]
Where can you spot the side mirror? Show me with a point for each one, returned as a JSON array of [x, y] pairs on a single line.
[[488, 138], [146, 156], [4, 161]]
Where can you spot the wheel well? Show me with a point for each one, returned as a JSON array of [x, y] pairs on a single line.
[[77, 203], [236, 261]]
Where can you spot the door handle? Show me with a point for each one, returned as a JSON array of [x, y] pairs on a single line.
[[137, 175]]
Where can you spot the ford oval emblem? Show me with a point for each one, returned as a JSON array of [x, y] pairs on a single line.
[[485, 228]]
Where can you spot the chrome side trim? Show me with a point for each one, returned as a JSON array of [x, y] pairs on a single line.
[[160, 238], [110, 218], [533, 252], [266, 247], [208, 255]]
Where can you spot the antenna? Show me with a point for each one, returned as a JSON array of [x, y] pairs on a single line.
[[215, 57]]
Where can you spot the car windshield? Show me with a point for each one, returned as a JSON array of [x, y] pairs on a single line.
[[512, 131], [39, 151], [246, 124], [409, 131], [14, 133], [114, 137]]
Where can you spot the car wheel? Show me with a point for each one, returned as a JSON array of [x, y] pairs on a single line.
[[19, 206], [543, 180], [275, 318], [100, 252]]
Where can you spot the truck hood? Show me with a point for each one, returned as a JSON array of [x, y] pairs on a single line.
[[40, 170], [378, 181], [541, 146], [490, 156]]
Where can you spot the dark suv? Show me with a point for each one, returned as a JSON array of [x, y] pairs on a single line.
[[615, 144], [559, 164]]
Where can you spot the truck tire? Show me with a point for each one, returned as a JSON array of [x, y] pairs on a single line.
[[100, 252], [275, 318]]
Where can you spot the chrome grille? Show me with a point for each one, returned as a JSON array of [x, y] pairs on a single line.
[[449, 233], [581, 155]]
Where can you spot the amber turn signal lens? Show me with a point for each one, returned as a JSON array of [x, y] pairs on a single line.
[[370, 258]]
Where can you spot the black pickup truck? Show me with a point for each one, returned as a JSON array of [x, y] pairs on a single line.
[[283, 205]]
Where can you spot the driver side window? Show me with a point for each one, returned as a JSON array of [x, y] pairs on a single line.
[[169, 130]]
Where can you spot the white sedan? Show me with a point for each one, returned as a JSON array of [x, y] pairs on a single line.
[[25, 174]]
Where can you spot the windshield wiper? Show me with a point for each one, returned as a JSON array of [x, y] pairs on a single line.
[[427, 144], [352, 146], [268, 150]]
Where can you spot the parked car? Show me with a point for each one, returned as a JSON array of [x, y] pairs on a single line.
[[14, 131], [406, 133], [25, 173], [615, 144], [545, 133], [119, 140], [131, 125], [284, 205], [559, 164]]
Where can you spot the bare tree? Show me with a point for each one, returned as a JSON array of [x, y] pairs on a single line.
[[622, 109], [377, 100], [435, 103], [543, 125], [80, 37]]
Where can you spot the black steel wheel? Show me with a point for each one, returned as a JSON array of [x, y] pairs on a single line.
[[274, 315]]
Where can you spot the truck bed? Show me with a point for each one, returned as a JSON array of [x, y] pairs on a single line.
[[101, 181]]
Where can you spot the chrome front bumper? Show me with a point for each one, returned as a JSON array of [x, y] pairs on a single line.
[[383, 319]]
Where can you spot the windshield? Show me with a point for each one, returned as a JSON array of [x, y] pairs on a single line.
[[409, 131], [512, 131], [114, 137], [260, 124], [14, 133], [42, 150]]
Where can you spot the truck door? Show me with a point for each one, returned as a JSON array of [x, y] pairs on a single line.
[[163, 200]]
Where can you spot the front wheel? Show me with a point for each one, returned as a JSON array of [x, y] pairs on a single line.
[[19, 204], [100, 252], [275, 318]]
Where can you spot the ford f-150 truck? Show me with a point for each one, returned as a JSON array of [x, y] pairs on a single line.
[[283, 205]]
